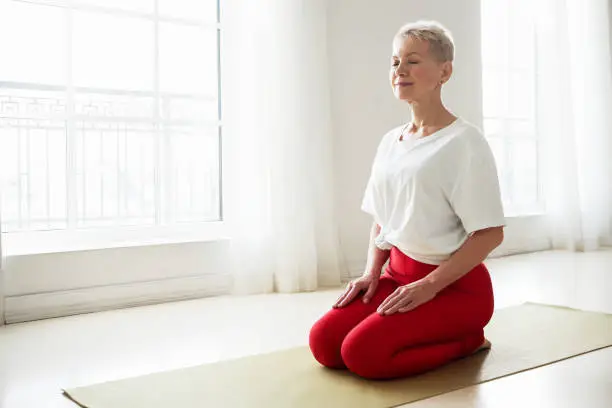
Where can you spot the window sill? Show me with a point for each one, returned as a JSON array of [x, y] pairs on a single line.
[[59, 241]]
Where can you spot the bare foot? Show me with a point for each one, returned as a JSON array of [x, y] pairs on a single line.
[[486, 345]]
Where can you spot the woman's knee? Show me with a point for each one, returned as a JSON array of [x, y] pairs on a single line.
[[325, 343], [363, 355]]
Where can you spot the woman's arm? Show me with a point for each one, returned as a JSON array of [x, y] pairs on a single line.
[[376, 257], [473, 251], [368, 282]]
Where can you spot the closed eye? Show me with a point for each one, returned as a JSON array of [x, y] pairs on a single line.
[[396, 63]]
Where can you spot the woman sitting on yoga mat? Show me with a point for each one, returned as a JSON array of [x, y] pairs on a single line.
[[435, 200]]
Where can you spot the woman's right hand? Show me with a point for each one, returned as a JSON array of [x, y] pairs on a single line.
[[367, 283]]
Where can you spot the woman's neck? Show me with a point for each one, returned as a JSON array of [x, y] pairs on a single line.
[[430, 117]]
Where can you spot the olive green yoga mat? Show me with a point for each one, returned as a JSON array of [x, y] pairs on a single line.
[[523, 337]]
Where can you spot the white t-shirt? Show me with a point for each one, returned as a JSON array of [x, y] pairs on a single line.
[[429, 193]]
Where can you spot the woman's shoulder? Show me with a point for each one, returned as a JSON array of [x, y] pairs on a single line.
[[469, 136], [469, 129]]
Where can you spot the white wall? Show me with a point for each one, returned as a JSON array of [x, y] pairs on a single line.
[[363, 106]]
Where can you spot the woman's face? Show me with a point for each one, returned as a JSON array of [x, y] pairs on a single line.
[[415, 74]]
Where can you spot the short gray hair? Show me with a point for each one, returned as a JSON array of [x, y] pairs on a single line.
[[439, 38]]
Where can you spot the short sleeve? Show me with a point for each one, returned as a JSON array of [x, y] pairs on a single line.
[[476, 196], [368, 203]]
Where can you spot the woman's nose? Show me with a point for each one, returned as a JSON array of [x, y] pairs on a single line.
[[400, 70]]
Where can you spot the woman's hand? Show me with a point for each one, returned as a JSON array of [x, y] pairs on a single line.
[[367, 282], [408, 297]]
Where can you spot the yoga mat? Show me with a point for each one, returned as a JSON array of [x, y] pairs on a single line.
[[523, 337]]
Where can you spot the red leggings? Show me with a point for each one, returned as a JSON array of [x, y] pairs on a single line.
[[372, 346]]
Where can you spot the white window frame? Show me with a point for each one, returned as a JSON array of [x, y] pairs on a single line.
[[73, 239], [526, 229]]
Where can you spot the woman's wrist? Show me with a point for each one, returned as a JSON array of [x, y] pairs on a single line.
[[373, 272], [434, 283]]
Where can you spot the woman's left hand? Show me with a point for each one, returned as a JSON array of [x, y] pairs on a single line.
[[408, 297]]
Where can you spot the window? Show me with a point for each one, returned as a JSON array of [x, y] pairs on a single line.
[[509, 101], [109, 114]]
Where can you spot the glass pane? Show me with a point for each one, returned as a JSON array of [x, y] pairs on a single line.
[[201, 10], [194, 166], [520, 128], [33, 159], [115, 173], [522, 94], [188, 60], [493, 128], [495, 32], [196, 111], [521, 45], [113, 52], [37, 143], [129, 107], [33, 166], [32, 37], [9, 173], [524, 188], [58, 201], [495, 93], [143, 6]]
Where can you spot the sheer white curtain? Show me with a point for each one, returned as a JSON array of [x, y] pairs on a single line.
[[574, 109], [278, 166]]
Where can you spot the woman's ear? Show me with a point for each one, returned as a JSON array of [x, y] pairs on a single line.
[[447, 71]]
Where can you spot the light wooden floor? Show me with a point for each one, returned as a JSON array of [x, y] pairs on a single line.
[[37, 359]]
